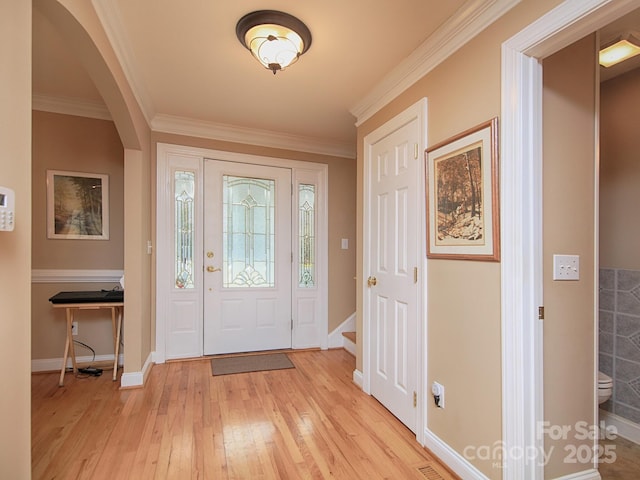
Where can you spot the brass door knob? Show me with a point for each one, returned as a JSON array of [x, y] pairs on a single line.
[[211, 269], [372, 281]]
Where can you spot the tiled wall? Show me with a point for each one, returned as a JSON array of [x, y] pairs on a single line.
[[619, 334]]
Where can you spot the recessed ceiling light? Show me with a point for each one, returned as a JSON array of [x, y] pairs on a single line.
[[625, 48]]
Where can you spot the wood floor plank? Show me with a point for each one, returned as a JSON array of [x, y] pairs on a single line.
[[310, 422]]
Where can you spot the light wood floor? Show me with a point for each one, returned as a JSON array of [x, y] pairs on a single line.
[[304, 423], [626, 460]]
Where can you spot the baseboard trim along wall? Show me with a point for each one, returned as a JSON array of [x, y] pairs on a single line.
[[137, 379], [456, 462], [591, 474], [335, 337], [625, 428], [54, 364], [357, 378]]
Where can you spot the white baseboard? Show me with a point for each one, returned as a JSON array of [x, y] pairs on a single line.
[[335, 337], [349, 346], [625, 428], [137, 379], [591, 474], [452, 459], [53, 364], [357, 378]]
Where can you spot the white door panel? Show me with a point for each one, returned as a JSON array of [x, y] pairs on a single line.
[[394, 250], [247, 274]]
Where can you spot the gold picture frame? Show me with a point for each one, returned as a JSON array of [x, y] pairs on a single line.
[[462, 198], [77, 205]]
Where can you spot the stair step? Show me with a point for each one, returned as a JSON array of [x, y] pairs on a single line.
[[350, 335]]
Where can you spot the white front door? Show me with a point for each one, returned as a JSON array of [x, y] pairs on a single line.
[[247, 259], [394, 249]]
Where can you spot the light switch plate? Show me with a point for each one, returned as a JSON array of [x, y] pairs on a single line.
[[344, 244], [566, 267]]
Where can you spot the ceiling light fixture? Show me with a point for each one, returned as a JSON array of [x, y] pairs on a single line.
[[275, 39], [624, 48]]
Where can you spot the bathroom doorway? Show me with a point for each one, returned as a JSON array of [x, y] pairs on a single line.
[[619, 257]]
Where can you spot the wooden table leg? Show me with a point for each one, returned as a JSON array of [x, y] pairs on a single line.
[[72, 350], [116, 348], [64, 361]]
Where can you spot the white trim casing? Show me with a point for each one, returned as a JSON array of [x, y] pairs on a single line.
[[521, 137], [190, 340]]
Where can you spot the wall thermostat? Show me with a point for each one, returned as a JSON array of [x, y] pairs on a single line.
[[7, 209]]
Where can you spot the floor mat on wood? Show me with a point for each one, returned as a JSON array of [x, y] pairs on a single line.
[[250, 363]]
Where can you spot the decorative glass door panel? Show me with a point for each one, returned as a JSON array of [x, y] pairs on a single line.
[[247, 270], [248, 235]]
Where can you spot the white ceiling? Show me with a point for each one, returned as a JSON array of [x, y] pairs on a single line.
[[187, 67], [184, 60]]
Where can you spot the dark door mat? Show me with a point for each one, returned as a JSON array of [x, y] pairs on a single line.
[[250, 363]]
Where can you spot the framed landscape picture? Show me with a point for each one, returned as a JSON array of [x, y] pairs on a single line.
[[463, 220], [77, 205]]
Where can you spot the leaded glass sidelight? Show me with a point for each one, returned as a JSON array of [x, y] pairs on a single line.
[[248, 234], [306, 235], [184, 188]]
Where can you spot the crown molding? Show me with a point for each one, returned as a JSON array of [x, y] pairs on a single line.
[[70, 106], [470, 19], [264, 138]]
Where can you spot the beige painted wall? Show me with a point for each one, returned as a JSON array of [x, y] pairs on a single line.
[[569, 109], [463, 297], [71, 143], [620, 172], [15, 247], [341, 215], [78, 24]]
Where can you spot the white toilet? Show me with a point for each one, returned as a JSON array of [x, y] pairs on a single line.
[[605, 387]]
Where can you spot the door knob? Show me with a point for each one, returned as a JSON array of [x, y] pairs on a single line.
[[372, 281], [211, 269], [209, 254]]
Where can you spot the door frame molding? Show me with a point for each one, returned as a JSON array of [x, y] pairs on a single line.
[[521, 207], [417, 111], [301, 172]]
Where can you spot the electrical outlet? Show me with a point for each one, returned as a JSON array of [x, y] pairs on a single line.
[[437, 390], [74, 328]]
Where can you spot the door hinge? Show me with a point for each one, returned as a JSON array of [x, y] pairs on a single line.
[[540, 313], [415, 274], [292, 324], [415, 151], [415, 399]]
